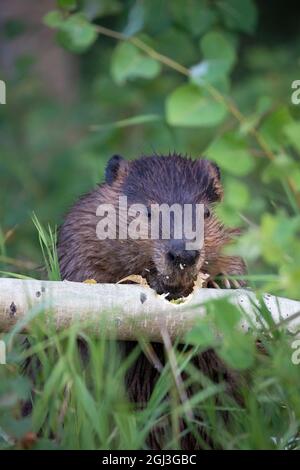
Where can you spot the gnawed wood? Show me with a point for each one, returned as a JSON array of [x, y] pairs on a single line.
[[126, 312]]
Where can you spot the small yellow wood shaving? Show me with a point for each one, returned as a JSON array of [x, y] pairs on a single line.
[[181, 300], [201, 279], [135, 278], [90, 281]]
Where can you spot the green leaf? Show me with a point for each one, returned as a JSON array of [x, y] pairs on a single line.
[[53, 19], [162, 21], [219, 57], [215, 46], [236, 194], [277, 237], [190, 105], [185, 51], [136, 19], [238, 351], [67, 4], [273, 127], [201, 335], [238, 15], [226, 315], [98, 8], [292, 131], [129, 63], [231, 153], [76, 33], [281, 168], [193, 15]]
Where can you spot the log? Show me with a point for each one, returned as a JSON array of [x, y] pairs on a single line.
[[125, 312]]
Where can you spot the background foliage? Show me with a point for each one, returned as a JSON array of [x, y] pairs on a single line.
[[200, 77]]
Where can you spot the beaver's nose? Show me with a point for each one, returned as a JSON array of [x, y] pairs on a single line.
[[181, 257]]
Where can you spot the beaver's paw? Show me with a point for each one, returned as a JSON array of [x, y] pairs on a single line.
[[225, 282], [230, 283], [213, 284]]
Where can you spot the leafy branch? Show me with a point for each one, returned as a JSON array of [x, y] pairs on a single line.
[[214, 92]]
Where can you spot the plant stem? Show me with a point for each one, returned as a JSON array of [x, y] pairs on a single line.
[[228, 103]]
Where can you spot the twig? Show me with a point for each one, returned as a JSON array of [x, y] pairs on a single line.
[[227, 102]]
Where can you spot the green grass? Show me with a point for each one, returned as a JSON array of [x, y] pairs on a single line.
[[54, 149], [47, 241], [78, 405]]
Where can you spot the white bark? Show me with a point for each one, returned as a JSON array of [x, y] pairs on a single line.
[[123, 311]]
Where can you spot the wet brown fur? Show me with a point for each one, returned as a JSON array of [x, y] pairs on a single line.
[[83, 256]]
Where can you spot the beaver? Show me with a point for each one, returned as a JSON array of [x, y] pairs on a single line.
[[166, 264]]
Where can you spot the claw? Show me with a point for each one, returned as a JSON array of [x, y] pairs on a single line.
[[226, 283], [236, 284], [215, 285]]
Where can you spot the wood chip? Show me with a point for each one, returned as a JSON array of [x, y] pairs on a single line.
[[90, 281], [137, 279]]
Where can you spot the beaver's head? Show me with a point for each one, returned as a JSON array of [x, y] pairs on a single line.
[[173, 179]]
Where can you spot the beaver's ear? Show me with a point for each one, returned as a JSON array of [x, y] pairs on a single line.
[[210, 180], [216, 169], [215, 188], [116, 167]]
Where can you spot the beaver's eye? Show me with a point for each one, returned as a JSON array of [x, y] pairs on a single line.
[[206, 213]]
